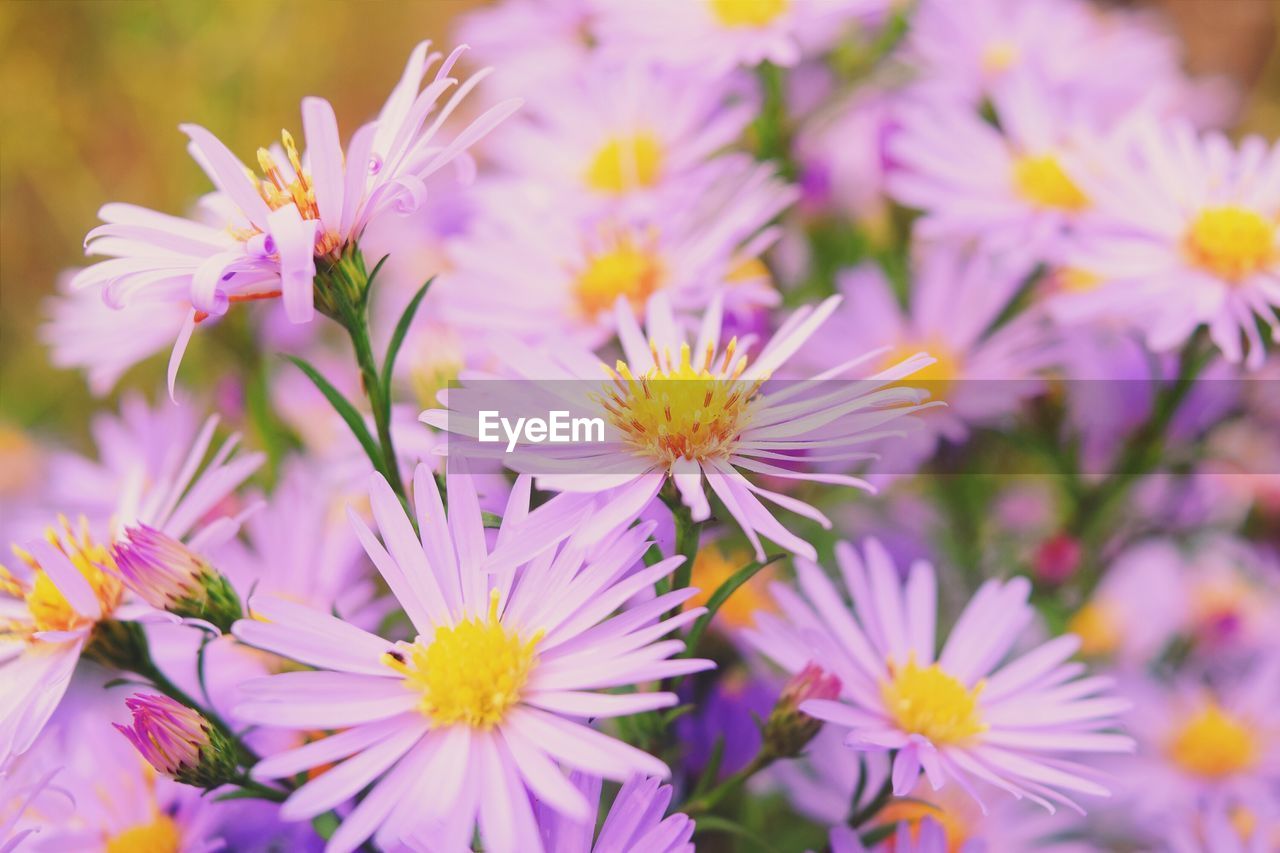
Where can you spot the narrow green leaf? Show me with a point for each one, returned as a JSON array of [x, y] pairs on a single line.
[[347, 411], [719, 597], [397, 337], [712, 770], [715, 823]]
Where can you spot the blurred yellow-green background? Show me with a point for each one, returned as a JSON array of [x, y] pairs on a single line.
[[92, 91]]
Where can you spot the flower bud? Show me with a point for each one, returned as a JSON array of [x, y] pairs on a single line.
[[178, 742], [169, 575], [1057, 559], [788, 730]]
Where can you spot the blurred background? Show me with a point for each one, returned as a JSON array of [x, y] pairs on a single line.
[[92, 91]]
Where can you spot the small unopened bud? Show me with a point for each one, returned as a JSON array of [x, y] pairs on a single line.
[[178, 742], [169, 575], [788, 730], [1057, 559]]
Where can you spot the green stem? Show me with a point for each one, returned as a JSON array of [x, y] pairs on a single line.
[[261, 791], [148, 670], [688, 533], [708, 801], [379, 397]]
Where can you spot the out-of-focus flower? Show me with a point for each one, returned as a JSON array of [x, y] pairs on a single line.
[[1004, 188], [955, 300], [18, 797], [1181, 232], [537, 44], [279, 234], [721, 34], [170, 576], [637, 820], [729, 709], [1202, 745], [685, 414], [697, 241], [843, 161], [178, 742], [1110, 62], [711, 568], [960, 716], [617, 132], [1224, 828], [1137, 607], [456, 728], [64, 586]]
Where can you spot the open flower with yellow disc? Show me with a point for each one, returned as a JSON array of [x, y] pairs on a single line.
[[454, 730], [61, 588], [702, 414], [961, 714], [1184, 232]]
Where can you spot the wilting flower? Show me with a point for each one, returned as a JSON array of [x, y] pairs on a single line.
[[1004, 188], [698, 240], [616, 131], [682, 413], [721, 34], [170, 576], [178, 742], [1183, 232], [66, 585], [276, 233], [456, 728], [637, 820], [959, 716]]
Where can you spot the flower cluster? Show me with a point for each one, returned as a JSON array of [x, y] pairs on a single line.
[[920, 352]]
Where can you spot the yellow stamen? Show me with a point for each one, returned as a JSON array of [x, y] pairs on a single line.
[[277, 191], [1232, 242], [1041, 180], [928, 701], [937, 377], [471, 673], [159, 836], [49, 609], [679, 410], [1214, 743], [748, 13], [627, 269], [626, 163]]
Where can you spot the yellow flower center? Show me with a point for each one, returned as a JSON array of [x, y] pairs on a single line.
[[277, 190], [937, 377], [747, 270], [748, 13], [927, 701], [1097, 628], [471, 673], [627, 269], [159, 836], [677, 410], [711, 568], [1076, 280], [626, 163], [998, 57], [1214, 743], [49, 608], [1232, 242], [1041, 180]]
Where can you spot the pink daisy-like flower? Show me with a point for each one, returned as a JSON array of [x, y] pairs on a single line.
[[722, 34], [637, 820], [1202, 745], [955, 300], [1004, 188], [1225, 828], [1182, 232], [959, 715], [274, 231], [695, 415], [455, 729], [537, 42], [695, 241], [618, 132], [62, 586]]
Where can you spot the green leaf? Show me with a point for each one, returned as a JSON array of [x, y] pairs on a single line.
[[347, 411], [715, 823], [709, 773], [397, 337], [719, 597]]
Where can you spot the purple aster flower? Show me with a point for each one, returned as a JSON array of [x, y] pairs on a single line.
[[637, 820], [454, 730], [958, 715]]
